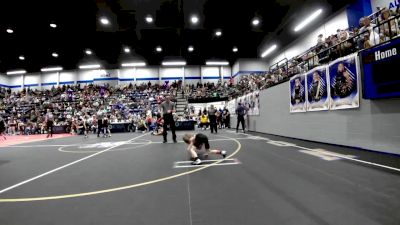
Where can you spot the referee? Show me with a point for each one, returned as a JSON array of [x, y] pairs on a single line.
[[241, 112], [167, 108]]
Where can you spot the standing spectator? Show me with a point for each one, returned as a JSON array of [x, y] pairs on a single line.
[[167, 108], [370, 33], [388, 29], [226, 116], [2, 127], [240, 112], [320, 40], [100, 117], [12, 124], [49, 123], [106, 123], [219, 119]]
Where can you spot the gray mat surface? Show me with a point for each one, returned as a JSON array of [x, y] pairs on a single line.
[[278, 181]]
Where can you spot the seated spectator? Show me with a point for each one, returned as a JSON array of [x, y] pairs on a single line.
[[204, 121], [345, 44], [320, 40], [141, 126], [389, 27]]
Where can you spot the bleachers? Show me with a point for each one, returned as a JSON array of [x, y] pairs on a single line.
[[332, 48]]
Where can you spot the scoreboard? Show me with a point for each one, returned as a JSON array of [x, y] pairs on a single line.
[[381, 70]]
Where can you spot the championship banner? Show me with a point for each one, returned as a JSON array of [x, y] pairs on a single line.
[[343, 77], [231, 106], [317, 89], [298, 92], [251, 102]]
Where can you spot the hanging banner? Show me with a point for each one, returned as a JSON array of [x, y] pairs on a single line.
[[251, 102], [231, 106], [343, 77], [317, 89], [298, 92]]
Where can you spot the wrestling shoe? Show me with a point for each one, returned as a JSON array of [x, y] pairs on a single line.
[[223, 153], [196, 162]]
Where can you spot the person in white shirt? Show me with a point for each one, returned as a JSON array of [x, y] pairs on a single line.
[[100, 115], [49, 123]]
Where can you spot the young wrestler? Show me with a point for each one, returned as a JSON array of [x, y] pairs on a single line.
[[196, 142]]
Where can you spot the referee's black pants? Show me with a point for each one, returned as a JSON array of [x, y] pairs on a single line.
[[49, 126], [169, 120], [213, 123], [240, 119], [99, 127]]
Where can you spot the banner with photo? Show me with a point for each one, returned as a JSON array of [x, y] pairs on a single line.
[[252, 102], [298, 93], [231, 106], [343, 77], [317, 89]]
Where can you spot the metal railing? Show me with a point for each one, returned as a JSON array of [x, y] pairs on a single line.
[[383, 31]]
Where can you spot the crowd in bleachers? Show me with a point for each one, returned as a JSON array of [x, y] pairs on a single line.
[[209, 90], [374, 29], [24, 111]]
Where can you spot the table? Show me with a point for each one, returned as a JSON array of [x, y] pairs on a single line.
[[185, 125], [119, 127]]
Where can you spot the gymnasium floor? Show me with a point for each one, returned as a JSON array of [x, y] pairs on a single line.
[[135, 179]]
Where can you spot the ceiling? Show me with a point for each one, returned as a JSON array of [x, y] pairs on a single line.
[[78, 28]]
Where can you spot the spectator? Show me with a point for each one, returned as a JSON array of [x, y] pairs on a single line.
[[369, 32], [389, 27], [241, 112], [204, 121]]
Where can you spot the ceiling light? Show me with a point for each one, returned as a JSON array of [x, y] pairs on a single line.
[[53, 25], [268, 51], [174, 63], [217, 63], [54, 54], [255, 22], [88, 52], [218, 33], [21, 57], [51, 69], [133, 64], [93, 66], [159, 49], [15, 72], [149, 19], [194, 19], [10, 31], [104, 21], [127, 50], [308, 20], [235, 49], [190, 49]]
